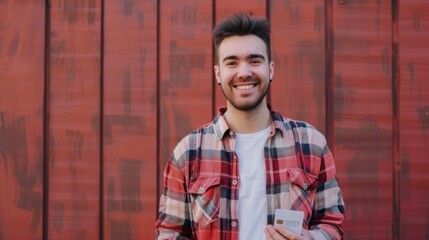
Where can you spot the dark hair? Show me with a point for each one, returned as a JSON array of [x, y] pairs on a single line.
[[242, 24]]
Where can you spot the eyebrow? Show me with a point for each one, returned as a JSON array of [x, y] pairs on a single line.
[[233, 57]]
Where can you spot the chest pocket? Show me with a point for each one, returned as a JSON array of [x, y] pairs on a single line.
[[302, 179], [302, 191], [205, 200]]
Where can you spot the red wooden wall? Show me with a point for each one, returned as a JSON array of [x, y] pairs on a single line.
[[94, 94]]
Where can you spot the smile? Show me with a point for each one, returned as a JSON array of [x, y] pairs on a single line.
[[245, 87]]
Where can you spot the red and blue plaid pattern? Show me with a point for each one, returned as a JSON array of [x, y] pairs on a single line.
[[201, 182]]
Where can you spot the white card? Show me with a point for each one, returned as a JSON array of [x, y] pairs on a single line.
[[290, 219]]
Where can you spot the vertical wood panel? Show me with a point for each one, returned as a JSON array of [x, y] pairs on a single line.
[[22, 36], [298, 49], [224, 8], [130, 126], [363, 115], [185, 70], [414, 118], [74, 176], [362, 106]]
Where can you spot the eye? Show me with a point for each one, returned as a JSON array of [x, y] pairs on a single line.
[[231, 63], [255, 61]]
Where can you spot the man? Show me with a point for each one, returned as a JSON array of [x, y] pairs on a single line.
[[226, 179]]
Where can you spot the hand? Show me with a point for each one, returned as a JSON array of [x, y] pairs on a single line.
[[279, 233]]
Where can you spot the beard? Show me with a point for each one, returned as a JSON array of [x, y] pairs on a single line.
[[247, 106]]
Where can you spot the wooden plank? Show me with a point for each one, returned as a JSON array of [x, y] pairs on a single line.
[[363, 115], [74, 130], [186, 71], [298, 52], [224, 8], [130, 119], [22, 45], [414, 118]]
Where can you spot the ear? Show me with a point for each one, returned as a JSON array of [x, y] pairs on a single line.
[[271, 67], [216, 69]]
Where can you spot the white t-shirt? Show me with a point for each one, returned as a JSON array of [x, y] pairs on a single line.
[[252, 205]]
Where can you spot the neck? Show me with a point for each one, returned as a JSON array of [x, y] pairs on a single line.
[[251, 121]]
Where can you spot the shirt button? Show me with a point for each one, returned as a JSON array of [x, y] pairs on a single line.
[[305, 186], [201, 190], [233, 224], [234, 182]]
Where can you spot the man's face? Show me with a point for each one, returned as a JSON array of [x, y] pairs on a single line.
[[244, 71]]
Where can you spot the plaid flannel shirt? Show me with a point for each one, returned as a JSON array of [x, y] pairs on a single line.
[[201, 182]]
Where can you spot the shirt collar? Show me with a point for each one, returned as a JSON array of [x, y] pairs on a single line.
[[221, 126]]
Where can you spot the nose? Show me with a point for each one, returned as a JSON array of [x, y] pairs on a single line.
[[244, 71]]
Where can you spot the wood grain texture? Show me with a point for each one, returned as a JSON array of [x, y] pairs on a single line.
[[414, 118], [130, 119], [22, 44], [223, 9], [74, 130], [298, 50], [185, 71], [123, 85], [363, 115]]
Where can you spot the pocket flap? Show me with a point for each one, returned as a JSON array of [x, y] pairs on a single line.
[[200, 185], [305, 180]]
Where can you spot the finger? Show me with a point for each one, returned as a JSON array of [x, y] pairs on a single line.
[[267, 235], [273, 233], [286, 233], [269, 230]]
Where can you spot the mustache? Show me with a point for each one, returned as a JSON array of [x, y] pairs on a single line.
[[252, 79]]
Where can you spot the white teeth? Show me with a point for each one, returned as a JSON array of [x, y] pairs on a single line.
[[244, 87]]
